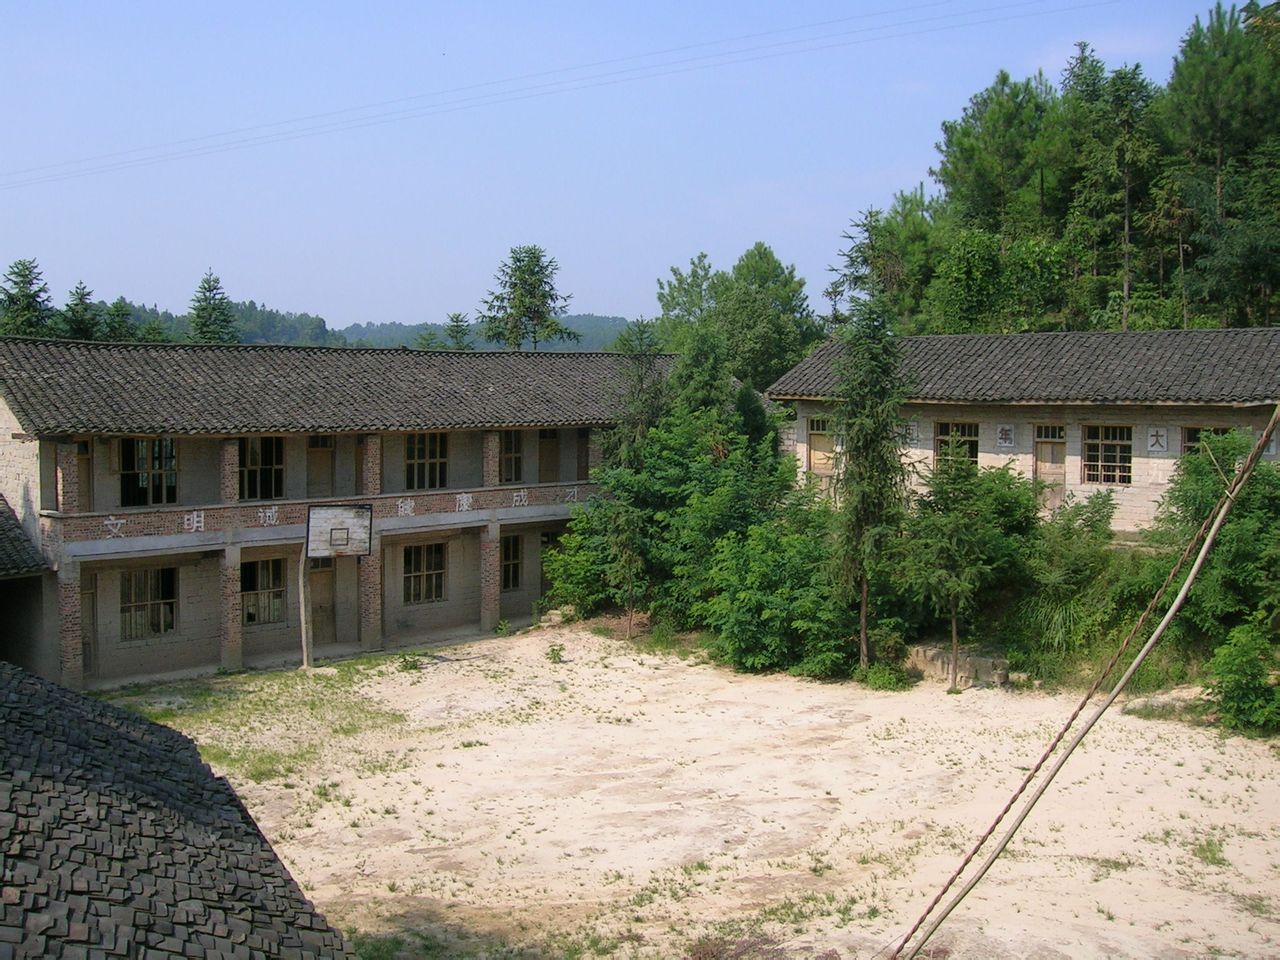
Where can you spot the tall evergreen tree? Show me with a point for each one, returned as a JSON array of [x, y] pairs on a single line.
[[118, 323], [25, 307], [457, 331], [870, 479], [212, 320], [80, 319], [525, 307]]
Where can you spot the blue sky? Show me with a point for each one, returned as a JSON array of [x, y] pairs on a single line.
[[146, 146]]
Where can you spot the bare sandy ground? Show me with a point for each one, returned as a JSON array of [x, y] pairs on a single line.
[[630, 805]]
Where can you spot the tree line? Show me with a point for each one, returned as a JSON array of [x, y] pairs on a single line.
[[1106, 201]]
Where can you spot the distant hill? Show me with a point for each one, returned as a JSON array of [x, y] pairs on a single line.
[[262, 324], [597, 332]]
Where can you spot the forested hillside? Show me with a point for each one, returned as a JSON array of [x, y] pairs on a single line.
[[597, 332], [1107, 200]]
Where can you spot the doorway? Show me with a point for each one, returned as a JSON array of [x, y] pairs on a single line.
[[324, 621], [1051, 464]]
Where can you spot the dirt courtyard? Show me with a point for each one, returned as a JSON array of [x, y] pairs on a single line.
[[628, 804]]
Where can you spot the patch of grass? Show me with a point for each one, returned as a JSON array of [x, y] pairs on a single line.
[[468, 744], [662, 638], [555, 653], [236, 719], [885, 676], [600, 630], [371, 947], [1208, 850]]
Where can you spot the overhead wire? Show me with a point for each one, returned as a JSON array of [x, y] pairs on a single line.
[[653, 71]]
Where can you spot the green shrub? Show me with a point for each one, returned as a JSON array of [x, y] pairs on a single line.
[[884, 676], [1241, 680]]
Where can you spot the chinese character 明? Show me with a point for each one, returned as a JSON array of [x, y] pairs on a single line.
[[193, 522]]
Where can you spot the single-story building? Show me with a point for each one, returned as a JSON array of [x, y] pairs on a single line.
[[1081, 412]]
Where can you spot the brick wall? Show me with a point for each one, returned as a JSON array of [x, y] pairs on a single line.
[[231, 653], [372, 465], [67, 478], [20, 473], [490, 447], [70, 636], [229, 470], [490, 576], [461, 604], [370, 580]]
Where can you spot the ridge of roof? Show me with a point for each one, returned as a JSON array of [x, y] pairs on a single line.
[[1226, 366]]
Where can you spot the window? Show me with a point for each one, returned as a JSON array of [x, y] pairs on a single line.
[[148, 472], [426, 461], [511, 548], [821, 447], [262, 591], [321, 563], [261, 468], [1191, 436], [964, 435], [1108, 455], [148, 602], [510, 457], [424, 573], [320, 441], [1051, 431]]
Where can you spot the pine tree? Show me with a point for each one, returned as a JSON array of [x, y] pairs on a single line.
[[525, 307], [870, 478], [80, 316], [212, 320], [457, 331], [118, 325], [25, 307]]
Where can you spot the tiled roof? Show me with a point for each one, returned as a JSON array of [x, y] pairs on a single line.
[[119, 842], [18, 556], [63, 387], [1162, 366]]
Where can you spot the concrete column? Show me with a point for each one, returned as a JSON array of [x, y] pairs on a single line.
[[232, 646], [372, 468], [67, 477], [370, 575], [229, 470], [490, 576], [490, 443], [70, 635]]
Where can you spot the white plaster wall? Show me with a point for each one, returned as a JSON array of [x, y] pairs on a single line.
[[461, 606]]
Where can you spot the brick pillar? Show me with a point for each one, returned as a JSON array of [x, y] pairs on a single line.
[[595, 450], [490, 576], [370, 574], [372, 465], [490, 444], [229, 470], [70, 635], [67, 477], [232, 648]]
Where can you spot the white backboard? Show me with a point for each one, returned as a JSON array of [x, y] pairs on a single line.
[[339, 531]]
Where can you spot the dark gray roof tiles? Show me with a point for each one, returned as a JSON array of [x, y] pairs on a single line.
[[18, 556], [1162, 366], [118, 842], [62, 387]]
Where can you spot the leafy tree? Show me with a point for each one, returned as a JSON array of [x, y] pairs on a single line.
[[870, 477], [967, 532], [685, 300], [645, 399], [457, 331], [772, 605], [25, 307], [117, 322], [80, 316], [212, 320], [525, 307], [429, 339]]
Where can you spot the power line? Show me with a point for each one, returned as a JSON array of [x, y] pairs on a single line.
[[748, 54]]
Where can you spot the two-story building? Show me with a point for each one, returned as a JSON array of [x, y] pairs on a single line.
[[167, 490], [1081, 412]]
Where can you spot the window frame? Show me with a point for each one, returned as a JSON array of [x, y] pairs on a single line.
[[510, 456], [424, 574], [1193, 446], [426, 460], [159, 462], [148, 603], [943, 434], [252, 475], [274, 596], [1095, 449], [512, 558], [820, 426]]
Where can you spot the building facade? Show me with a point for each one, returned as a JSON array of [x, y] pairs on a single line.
[[167, 489], [1081, 412]]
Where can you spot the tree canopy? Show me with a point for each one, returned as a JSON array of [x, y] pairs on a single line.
[[525, 307], [212, 319]]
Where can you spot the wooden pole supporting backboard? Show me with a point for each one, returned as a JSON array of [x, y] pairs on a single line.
[[304, 604]]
